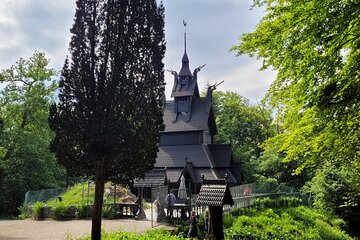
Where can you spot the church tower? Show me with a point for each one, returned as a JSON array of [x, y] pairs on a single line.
[[186, 147], [185, 88]]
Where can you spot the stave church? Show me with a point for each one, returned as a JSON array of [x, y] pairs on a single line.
[[187, 145]]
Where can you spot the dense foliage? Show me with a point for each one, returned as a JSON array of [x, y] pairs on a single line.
[[26, 162], [108, 118], [244, 126], [269, 219], [285, 223], [314, 47], [159, 234]]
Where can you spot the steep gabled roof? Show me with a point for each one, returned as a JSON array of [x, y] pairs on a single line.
[[185, 70], [173, 156], [214, 193], [207, 172], [200, 111], [173, 174], [189, 171], [155, 177], [189, 87], [222, 154], [192, 90], [214, 173]]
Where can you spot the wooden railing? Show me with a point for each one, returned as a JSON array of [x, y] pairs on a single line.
[[124, 209]]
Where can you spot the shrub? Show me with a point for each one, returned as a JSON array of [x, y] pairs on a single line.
[[159, 234], [38, 210], [276, 203], [25, 212], [340, 223], [228, 220], [285, 223], [243, 211], [59, 211], [109, 212], [330, 233], [82, 211], [182, 226]]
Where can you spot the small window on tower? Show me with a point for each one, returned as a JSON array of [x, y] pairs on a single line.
[[184, 80]]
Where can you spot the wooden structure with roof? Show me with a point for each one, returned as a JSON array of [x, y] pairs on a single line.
[[214, 194], [154, 178], [187, 143]]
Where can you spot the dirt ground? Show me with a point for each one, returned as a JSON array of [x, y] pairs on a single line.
[[58, 230]]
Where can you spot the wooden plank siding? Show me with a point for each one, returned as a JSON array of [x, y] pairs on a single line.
[[181, 138]]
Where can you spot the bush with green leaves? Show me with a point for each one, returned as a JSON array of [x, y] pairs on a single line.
[[59, 211], [25, 212], [182, 226], [285, 223], [159, 234], [82, 211], [262, 203], [228, 220], [201, 224], [38, 210], [109, 211]]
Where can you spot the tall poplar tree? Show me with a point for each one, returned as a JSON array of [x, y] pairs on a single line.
[[108, 118]]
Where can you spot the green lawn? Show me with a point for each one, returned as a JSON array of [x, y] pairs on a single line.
[[79, 195]]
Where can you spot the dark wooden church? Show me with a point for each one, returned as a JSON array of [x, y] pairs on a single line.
[[187, 143]]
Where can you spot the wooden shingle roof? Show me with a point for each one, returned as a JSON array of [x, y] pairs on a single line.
[[214, 193], [222, 154], [200, 110], [173, 156], [155, 177]]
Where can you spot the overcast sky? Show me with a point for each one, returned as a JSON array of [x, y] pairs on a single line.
[[213, 26]]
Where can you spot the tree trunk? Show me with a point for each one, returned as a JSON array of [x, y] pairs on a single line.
[[98, 201]]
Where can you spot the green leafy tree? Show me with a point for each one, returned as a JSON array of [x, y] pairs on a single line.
[[243, 125], [333, 190], [26, 162], [314, 47], [108, 119], [272, 168]]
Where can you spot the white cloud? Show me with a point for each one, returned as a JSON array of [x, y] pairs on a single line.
[[213, 27], [26, 26], [249, 81]]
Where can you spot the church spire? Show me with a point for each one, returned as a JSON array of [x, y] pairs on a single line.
[[184, 23], [185, 70], [185, 88]]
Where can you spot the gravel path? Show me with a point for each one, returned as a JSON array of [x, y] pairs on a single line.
[[55, 230]]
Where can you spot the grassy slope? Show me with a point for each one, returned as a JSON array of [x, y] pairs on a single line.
[[74, 196], [284, 223], [79, 194]]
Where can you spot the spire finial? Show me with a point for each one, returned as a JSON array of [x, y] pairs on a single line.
[[184, 23]]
